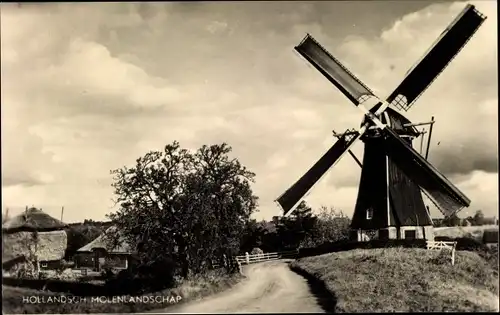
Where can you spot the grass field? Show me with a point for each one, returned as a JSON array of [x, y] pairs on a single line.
[[405, 280], [198, 287], [475, 232]]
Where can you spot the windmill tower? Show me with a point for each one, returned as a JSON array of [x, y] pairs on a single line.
[[389, 203]]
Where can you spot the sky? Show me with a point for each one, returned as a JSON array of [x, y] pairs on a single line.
[[90, 87]]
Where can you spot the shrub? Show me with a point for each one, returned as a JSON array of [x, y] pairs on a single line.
[[257, 251], [145, 278]]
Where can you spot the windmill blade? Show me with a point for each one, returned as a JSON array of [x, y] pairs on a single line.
[[290, 198], [448, 198], [446, 47], [333, 70]]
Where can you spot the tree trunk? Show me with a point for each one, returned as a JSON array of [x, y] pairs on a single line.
[[183, 257]]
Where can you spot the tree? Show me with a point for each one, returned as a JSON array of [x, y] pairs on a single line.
[[452, 220], [79, 236], [259, 234], [293, 230], [331, 226], [183, 207], [478, 218]]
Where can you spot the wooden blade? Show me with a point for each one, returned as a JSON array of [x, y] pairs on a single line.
[[333, 70], [294, 194], [441, 191], [447, 46]]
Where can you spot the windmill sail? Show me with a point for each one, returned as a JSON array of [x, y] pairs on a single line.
[[450, 42], [290, 198], [333, 70], [440, 190]]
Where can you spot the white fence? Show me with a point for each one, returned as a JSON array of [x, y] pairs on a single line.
[[443, 245], [250, 259]]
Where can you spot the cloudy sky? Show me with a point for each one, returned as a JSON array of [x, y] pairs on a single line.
[[90, 87]]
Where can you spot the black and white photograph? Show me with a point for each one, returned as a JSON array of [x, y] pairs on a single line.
[[249, 157]]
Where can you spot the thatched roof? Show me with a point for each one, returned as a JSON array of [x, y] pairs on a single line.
[[32, 220], [46, 246], [108, 241]]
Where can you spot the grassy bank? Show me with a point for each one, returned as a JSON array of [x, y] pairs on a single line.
[[405, 280], [195, 288]]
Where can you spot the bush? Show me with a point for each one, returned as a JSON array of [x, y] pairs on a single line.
[[144, 278], [256, 251]]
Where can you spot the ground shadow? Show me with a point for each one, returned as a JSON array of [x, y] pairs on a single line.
[[326, 299]]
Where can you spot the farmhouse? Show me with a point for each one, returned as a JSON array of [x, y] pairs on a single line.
[[104, 252], [33, 239]]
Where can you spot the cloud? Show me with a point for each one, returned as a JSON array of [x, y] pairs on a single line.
[[99, 85]]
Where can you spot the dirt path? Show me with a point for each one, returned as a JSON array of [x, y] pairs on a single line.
[[268, 287]]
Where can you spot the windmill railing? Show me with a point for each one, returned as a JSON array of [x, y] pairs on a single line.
[[256, 258], [440, 245]]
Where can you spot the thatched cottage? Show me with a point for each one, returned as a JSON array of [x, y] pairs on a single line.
[[33, 238], [109, 250]]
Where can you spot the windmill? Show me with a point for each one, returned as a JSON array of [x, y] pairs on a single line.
[[389, 204]]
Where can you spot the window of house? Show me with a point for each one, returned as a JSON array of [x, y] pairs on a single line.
[[44, 265], [369, 214]]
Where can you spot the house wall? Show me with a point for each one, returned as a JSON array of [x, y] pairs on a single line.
[[112, 260], [50, 265], [84, 260]]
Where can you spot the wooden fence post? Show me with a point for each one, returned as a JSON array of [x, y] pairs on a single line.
[[453, 254], [247, 256]]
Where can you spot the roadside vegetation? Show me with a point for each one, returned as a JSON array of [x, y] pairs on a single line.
[[188, 290]]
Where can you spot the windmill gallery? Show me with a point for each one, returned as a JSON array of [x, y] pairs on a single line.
[[389, 204]]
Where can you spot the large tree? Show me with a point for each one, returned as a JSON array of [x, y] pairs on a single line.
[[183, 206]]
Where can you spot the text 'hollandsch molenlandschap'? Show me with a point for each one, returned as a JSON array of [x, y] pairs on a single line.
[[70, 299]]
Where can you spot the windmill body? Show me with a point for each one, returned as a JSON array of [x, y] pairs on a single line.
[[389, 203]]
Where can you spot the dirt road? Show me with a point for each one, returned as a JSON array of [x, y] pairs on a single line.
[[268, 287]]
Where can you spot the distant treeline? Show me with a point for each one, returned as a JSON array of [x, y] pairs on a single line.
[[477, 220], [105, 224]]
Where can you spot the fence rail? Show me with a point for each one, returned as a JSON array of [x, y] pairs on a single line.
[[443, 245], [255, 258]]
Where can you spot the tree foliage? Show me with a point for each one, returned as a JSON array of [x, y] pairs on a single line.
[[332, 225], [303, 228], [452, 220], [478, 218], [293, 230], [79, 236], [183, 206]]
